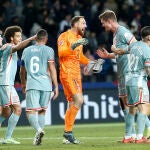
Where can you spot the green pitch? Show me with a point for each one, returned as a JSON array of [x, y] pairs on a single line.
[[92, 136]]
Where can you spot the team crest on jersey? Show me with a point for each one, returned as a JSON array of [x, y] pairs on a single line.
[[61, 43]]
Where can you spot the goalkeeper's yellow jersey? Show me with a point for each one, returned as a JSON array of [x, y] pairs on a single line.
[[69, 59]]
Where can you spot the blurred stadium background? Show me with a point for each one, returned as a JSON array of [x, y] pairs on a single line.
[[100, 90]]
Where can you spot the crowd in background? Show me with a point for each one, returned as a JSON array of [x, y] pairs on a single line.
[[55, 15]]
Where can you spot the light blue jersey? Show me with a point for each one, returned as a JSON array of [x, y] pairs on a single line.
[[36, 58], [136, 77], [8, 66], [122, 39], [139, 58]]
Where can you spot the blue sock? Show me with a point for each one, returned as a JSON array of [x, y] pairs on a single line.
[[34, 122], [1, 119], [129, 124], [12, 122], [126, 111], [41, 120], [141, 118], [133, 130]]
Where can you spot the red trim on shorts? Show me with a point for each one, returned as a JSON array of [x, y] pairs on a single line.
[[50, 60], [147, 62], [140, 101], [30, 109], [123, 95], [6, 105], [144, 102]]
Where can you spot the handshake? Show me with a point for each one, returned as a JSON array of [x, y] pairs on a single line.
[[79, 42]]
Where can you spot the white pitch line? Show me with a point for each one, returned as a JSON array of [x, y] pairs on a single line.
[[76, 126], [59, 138]]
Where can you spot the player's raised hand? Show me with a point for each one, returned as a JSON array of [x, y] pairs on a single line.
[[79, 42], [102, 53]]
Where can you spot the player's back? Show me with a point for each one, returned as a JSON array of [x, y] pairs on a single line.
[[8, 66], [139, 53], [139, 56], [36, 59]]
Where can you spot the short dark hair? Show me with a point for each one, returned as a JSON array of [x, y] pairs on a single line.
[[42, 34], [75, 19], [145, 31], [10, 32], [108, 14]]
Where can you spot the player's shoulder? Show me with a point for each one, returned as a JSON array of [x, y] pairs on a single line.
[[48, 48], [64, 34], [6, 46], [6, 49], [144, 46], [29, 47], [124, 29]]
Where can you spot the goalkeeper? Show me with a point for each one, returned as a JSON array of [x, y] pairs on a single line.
[[70, 45]]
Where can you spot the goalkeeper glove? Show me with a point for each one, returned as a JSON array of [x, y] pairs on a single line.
[[88, 70], [97, 68], [79, 42]]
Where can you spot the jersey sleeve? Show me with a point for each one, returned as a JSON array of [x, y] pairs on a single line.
[[128, 36], [83, 60], [64, 48], [51, 55]]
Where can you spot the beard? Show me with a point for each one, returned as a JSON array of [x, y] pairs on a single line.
[[81, 32]]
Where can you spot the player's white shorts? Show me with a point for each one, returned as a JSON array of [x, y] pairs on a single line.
[[37, 100], [137, 91], [8, 96]]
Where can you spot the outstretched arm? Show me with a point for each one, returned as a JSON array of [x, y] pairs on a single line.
[[23, 44], [103, 53], [119, 51]]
